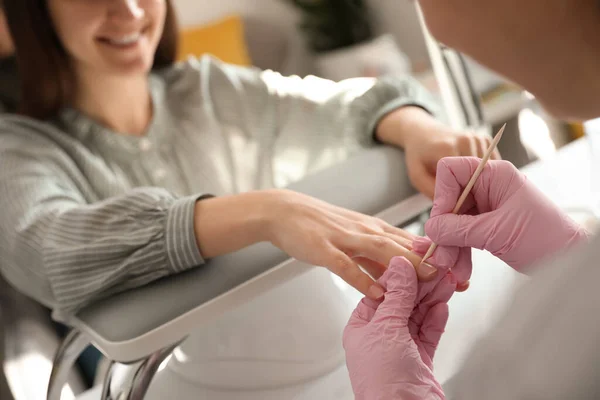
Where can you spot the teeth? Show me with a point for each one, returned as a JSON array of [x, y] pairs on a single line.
[[125, 40]]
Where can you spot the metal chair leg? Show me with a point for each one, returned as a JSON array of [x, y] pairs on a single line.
[[64, 359], [138, 381], [107, 382]]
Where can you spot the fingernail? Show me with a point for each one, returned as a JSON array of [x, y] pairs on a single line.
[[375, 292], [427, 271]]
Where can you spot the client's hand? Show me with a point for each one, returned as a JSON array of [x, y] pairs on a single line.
[[504, 214], [425, 141], [390, 344], [322, 234]]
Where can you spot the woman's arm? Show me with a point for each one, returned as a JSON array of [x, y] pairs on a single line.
[[266, 105], [307, 229], [66, 251], [320, 122], [65, 247]]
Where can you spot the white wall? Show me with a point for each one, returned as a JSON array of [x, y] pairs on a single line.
[[399, 17], [395, 16]]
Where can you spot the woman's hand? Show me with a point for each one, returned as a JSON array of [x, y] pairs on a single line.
[[319, 233], [390, 344], [426, 141]]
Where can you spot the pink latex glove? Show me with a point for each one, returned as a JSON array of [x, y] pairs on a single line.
[[505, 214], [390, 344]]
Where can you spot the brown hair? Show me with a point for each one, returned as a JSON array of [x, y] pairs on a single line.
[[43, 64]]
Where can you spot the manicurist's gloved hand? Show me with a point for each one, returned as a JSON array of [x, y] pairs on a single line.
[[504, 214], [390, 344]]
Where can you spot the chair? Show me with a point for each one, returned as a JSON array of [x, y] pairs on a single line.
[[372, 182]]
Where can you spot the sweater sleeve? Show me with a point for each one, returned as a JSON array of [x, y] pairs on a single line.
[[265, 105], [65, 251]]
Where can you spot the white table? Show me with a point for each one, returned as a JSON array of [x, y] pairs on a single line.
[[565, 178]]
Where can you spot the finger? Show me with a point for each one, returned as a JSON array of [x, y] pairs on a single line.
[[382, 249], [368, 219], [496, 153], [398, 231], [421, 178], [421, 244], [434, 325], [363, 313], [481, 146], [463, 267], [373, 268], [402, 241], [450, 258], [461, 230], [463, 286], [344, 267], [453, 174], [467, 145], [449, 183], [401, 236], [443, 258], [440, 293], [400, 281]]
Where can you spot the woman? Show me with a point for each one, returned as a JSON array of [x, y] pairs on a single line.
[[545, 346], [123, 168]]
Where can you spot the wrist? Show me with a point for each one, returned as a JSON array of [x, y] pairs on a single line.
[[229, 223], [399, 126], [261, 205], [267, 209]]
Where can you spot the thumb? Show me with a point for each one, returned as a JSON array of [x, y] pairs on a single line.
[[401, 284], [421, 179], [433, 327], [460, 230], [453, 174], [363, 313]]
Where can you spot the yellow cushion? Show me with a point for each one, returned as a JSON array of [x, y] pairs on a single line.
[[223, 39]]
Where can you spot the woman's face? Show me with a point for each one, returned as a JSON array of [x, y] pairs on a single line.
[[109, 36]]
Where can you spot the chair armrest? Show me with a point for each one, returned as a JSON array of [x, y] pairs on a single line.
[[131, 325]]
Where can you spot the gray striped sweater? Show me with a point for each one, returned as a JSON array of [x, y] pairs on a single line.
[[87, 212]]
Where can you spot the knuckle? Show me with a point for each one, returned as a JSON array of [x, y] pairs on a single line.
[[505, 165], [380, 242], [467, 145], [342, 265], [414, 175], [447, 147], [366, 227], [464, 140]]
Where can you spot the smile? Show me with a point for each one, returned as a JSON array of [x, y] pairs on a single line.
[[124, 40]]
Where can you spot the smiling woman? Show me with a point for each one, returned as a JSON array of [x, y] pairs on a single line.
[[131, 40]]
